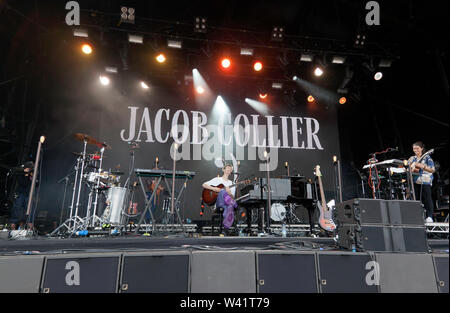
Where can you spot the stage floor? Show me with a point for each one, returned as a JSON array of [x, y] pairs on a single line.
[[51, 245]]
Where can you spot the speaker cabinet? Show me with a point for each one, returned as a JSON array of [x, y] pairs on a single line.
[[406, 273], [223, 272], [380, 212], [20, 274], [383, 238], [286, 272], [165, 272], [441, 269], [342, 272], [89, 273]]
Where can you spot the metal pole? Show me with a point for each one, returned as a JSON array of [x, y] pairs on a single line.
[[33, 183]]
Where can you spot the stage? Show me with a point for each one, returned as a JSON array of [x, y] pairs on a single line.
[[213, 264]]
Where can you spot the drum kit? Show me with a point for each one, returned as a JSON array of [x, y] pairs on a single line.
[[88, 172]]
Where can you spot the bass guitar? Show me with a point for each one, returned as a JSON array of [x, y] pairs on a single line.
[[325, 219]]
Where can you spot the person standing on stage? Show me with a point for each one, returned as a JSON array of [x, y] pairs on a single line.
[[423, 178]]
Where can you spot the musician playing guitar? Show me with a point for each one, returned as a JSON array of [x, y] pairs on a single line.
[[225, 202], [422, 167]]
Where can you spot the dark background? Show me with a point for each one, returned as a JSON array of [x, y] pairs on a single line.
[[46, 86]]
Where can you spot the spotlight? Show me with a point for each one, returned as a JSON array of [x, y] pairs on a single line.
[[277, 85], [318, 72], [127, 15], [378, 76], [343, 100], [200, 25], [200, 90], [104, 80], [338, 59], [263, 96], [226, 63], [360, 41], [294, 78], [144, 85], [257, 66], [306, 58], [86, 49], [310, 99], [277, 33], [161, 58]]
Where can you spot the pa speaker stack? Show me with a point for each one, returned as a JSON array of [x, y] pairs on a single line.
[[381, 225]]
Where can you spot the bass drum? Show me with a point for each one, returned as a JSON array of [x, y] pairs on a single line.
[[115, 200], [277, 212]]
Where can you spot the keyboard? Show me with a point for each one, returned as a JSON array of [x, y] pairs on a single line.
[[167, 173]]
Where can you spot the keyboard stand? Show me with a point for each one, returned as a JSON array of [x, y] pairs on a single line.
[[149, 201]]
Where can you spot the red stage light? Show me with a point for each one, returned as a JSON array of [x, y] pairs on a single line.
[[343, 100], [310, 99], [161, 58], [263, 95], [257, 66], [226, 63]]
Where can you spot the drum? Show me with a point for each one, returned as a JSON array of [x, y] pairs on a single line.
[[115, 199], [277, 212]]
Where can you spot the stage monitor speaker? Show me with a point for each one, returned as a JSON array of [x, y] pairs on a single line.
[[341, 272], [20, 274], [156, 272], [441, 268], [380, 212], [286, 272], [383, 238], [406, 273], [223, 272], [87, 273]]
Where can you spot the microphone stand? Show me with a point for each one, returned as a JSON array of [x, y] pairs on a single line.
[[269, 195]]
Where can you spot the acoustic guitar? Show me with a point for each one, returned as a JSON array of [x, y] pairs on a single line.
[[325, 219], [209, 197], [413, 165]]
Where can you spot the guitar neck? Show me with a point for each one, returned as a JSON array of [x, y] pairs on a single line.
[[322, 194]]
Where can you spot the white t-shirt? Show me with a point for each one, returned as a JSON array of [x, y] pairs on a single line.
[[220, 181]]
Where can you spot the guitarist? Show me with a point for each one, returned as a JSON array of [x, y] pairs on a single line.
[[225, 201], [423, 170]]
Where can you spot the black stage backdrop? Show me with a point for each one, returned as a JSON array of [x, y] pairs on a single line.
[[307, 135]]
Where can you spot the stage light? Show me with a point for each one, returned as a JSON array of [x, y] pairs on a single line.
[[263, 95], [378, 76], [306, 58], [144, 85], [176, 44], [86, 49], [135, 39], [226, 63], [200, 90], [277, 85], [310, 99], [80, 33], [104, 80], [343, 100], [127, 15], [385, 63], [338, 60], [318, 72], [247, 51], [257, 66], [161, 58], [200, 25], [111, 69], [277, 33]]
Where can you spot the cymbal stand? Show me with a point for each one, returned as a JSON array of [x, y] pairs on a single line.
[[81, 181], [94, 216]]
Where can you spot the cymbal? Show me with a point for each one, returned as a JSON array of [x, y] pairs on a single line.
[[103, 145], [83, 137]]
